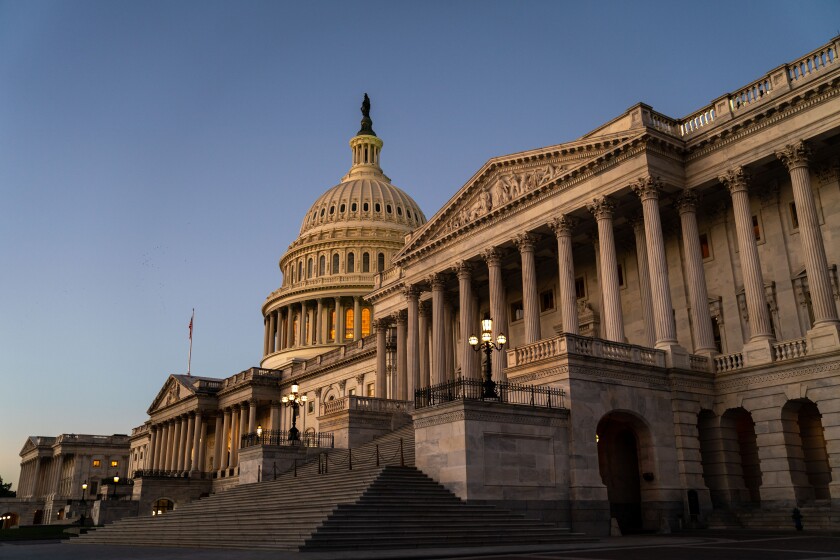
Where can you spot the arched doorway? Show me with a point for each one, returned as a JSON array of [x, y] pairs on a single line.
[[740, 456], [807, 454], [38, 518], [162, 506], [9, 520], [624, 458]]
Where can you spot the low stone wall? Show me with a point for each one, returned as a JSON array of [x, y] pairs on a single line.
[[148, 490], [107, 511], [487, 452], [261, 462]]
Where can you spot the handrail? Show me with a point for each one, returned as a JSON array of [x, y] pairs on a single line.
[[463, 389]]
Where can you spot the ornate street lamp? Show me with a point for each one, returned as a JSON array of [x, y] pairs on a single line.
[[84, 504], [294, 400], [116, 480], [488, 345]]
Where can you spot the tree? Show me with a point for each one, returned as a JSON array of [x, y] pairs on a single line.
[[4, 489]]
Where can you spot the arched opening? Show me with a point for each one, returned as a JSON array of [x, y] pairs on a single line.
[[38, 518], [711, 457], [740, 456], [807, 453], [309, 267], [162, 506], [349, 316], [335, 263], [380, 262], [332, 325], [626, 464], [59, 515], [300, 270], [351, 263], [322, 266], [9, 520], [366, 262], [365, 321]]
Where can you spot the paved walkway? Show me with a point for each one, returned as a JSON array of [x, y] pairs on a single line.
[[718, 545]]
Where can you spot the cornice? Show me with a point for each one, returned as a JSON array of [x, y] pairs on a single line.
[[307, 374]]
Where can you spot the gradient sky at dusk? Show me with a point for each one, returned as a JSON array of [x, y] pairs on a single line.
[[157, 156]]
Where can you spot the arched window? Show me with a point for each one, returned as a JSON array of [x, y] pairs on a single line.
[[335, 263], [365, 321], [322, 266], [366, 262], [388, 208], [354, 207], [351, 263], [377, 207], [380, 262], [366, 207], [309, 267], [342, 208], [300, 271], [332, 210], [348, 324], [292, 268]]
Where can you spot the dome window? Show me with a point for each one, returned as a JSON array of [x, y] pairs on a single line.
[[366, 207], [354, 207], [408, 213], [332, 210], [342, 208], [399, 210], [388, 208], [351, 263], [322, 266], [309, 267], [377, 207], [335, 263], [380, 262], [322, 212], [366, 262]]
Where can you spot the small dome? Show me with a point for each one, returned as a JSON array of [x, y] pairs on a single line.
[[363, 200]]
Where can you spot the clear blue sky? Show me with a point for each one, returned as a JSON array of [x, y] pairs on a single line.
[[159, 156]]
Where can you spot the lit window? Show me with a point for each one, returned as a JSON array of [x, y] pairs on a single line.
[[705, 248], [97, 463], [348, 324], [115, 463], [365, 322], [352, 391], [370, 390]]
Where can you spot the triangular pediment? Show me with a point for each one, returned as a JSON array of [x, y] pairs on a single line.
[[174, 390], [31, 443], [504, 182]]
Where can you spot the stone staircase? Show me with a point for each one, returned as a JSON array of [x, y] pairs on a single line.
[[328, 506]]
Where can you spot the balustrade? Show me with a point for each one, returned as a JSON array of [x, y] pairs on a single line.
[[790, 349]]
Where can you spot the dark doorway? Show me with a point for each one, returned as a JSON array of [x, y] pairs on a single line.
[[618, 459]]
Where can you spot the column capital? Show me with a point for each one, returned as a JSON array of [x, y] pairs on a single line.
[[437, 280], [795, 155], [601, 207], [525, 242], [647, 187], [563, 224], [493, 256], [381, 323], [411, 292], [686, 202], [360, 379], [735, 180], [463, 269], [400, 317], [424, 309]]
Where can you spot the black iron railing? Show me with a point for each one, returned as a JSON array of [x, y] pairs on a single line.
[[281, 437], [473, 390], [158, 473]]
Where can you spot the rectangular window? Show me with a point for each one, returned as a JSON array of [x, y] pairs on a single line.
[[94, 486], [580, 287], [352, 391], [310, 407], [794, 218], [517, 312], [115, 463], [756, 228], [371, 391], [705, 248], [547, 300], [97, 463]]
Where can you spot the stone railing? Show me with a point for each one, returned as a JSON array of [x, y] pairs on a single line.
[[729, 362], [115, 439], [208, 384], [354, 402], [784, 78], [139, 430], [252, 373], [584, 346], [698, 363], [790, 349], [388, 276], [322, 281]]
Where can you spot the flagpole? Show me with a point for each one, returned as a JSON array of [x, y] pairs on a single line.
[[189, 356]]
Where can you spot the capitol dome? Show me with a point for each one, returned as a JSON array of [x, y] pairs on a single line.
[[348, 236]]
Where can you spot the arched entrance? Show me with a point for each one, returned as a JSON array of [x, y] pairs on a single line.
[[162, 506], [9, 520], [624, 458], [38, 518], [807, 454], [740, 456]]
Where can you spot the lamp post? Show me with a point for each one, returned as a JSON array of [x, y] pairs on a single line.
[[488, 345], [294, 400], [84, 504], [116, 480]]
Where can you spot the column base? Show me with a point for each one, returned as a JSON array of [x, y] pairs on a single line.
[[675, 355], [758, 352], [823, 338]]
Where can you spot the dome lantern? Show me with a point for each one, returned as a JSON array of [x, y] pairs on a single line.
[[365, 147]]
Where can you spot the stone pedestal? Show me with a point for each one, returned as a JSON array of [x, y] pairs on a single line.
[[823, 338], [758, 352], [262, 462], [516, 457]]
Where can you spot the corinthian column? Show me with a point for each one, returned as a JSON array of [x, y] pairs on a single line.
[[438, 329], [465, 301], [736, 181], [302, 324], [412, 296], [602, 209], [401, 385], [223, 440], [644, 280], [319, 322], [562, 227], [795, 158], [357, 317], [704, 342], [647, 188], [423, 313], [498, 308], [381, 328], [530, 300]]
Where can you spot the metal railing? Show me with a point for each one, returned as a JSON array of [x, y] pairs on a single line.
[[463, 389], [160, 473], [281, 438], [389, 453]]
